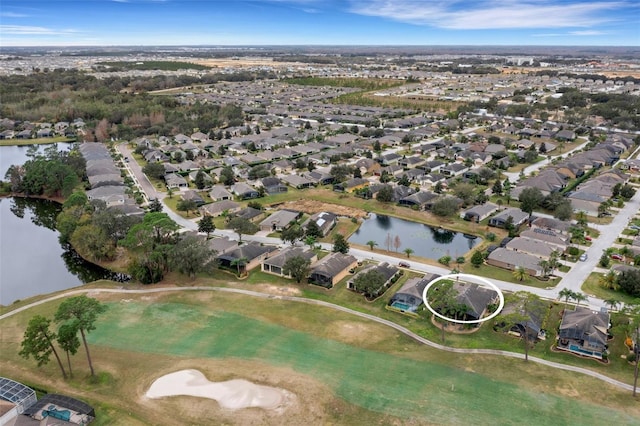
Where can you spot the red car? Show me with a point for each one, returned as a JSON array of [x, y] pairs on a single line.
[[588, 238], [404, 265], [616, 257]]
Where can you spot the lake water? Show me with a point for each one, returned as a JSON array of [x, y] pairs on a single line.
[[32, 260], [425, 241]]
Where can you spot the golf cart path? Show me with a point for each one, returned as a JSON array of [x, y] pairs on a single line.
[[388, 323]]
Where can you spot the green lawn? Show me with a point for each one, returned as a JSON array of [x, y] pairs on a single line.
[[489, 271], [592, 286], [378, 381]]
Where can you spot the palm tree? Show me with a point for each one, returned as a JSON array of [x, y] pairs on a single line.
[[371, 244], [581, 218], [608, 280], [408, 252], [613, 303], [579, 297], [520, 273], [170, 192], [239, 262], [554, 261], [567, 294], [546, 267]]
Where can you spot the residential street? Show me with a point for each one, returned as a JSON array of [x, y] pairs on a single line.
[[572, 279]]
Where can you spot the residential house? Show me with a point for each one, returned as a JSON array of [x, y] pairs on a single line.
[[509, 259], [387, 271], [275, 264], [584, 332], [558, 242], [587, 202], [419, 199], [175, 181], [332, 268], [244, 191], [531, 323], [351, 185], [219, 207], [325, 221], [500, 220], [476, 298], [192, 195], [219, 193], [245, 257], [112, 195], [250, 214], [565, 135], [547, 181], [221, 245], [273, 185], [298, 181], [533, 247], [550, 224], [480, 212], [454, 169], [409, 297], [279, 221], [319, 178]]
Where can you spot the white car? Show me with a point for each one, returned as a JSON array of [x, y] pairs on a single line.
[[583, 257]]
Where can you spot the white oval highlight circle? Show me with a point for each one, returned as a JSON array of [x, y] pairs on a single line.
[[473, 279]]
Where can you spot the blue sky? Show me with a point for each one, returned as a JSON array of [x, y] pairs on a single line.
[[319, 22]]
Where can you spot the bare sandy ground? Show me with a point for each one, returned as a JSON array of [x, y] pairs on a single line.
[[232, 394]]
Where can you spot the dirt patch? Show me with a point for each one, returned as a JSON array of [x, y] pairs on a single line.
[[279, 290], [314, 206], [567, 390], [353, 332]]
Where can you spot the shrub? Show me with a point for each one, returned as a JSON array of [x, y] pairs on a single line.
[[573, 251], [631, 357], [445, 260], [460, 260], [490, 236]]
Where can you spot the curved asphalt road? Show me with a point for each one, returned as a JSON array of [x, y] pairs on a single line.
[[382, 321]]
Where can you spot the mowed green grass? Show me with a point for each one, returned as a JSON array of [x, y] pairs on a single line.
[[377, 381]]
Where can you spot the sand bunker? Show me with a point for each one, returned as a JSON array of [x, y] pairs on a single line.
[[232, 394]]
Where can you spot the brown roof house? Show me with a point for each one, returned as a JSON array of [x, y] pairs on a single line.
[[584, 332], [329, 270]]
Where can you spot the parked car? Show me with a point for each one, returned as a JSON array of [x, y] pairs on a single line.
[[616, 257], [583, 257], [587, 237], [404, 265], [634, 227]]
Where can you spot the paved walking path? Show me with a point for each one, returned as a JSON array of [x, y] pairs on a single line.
[[322, 303]]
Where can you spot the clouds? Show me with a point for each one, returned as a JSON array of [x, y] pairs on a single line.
[[34, 30], [492, 14]]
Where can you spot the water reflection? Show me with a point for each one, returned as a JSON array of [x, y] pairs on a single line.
[[442, 236], [384, 222], [425, 241], [32, 261]]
